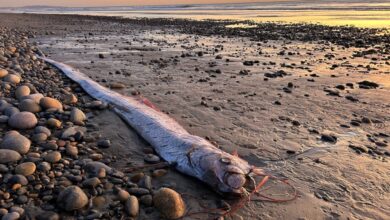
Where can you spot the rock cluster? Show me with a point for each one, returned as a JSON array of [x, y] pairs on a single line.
[[52, 159]]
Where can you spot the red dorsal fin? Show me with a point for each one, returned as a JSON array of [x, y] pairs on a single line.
[[149, 103]]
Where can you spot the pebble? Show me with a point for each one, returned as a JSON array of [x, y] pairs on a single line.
[[52, 157], [151, 158], [20, 179], [15, 141], [159, 172], [42, 129], [44, 166], [123, 195], [77, 116], [23, 120], [169, 203], [50, 103], [72, 198], [8, 156], [329, 138], [11, 111], [35, 97], [25, 169], [29, 105], [147, 200], [12, 78], [3, 73], [104, 143], [132, 206], [22, 91], [71, 150], [93, 168], [53, 123], [69, 99], [92, 182], [11, 216]]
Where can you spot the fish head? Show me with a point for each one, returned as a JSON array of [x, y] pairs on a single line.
[[232, 174]]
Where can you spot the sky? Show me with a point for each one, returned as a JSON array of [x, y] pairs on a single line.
[[91, 3]]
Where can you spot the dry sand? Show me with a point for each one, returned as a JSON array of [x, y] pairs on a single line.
[[276, 123]]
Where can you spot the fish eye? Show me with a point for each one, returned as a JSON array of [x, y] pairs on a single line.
[[225, 160], [235, 180]]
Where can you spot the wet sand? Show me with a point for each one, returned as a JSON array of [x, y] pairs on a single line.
[[293, 107]]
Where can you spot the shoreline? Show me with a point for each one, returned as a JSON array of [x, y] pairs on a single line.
[[298, 108]]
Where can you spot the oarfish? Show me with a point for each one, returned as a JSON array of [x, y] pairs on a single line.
[[189, 154]]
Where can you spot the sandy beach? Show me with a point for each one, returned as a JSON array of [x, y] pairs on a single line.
[[308, 103]]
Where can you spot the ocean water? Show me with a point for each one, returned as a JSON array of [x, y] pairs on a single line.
[[359, 13]]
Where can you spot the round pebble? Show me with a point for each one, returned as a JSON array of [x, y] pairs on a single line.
[[169, 203], [132, 206], [12, 78], [50, 103], [52, 157], [77, 116], [7, 156], [25, 169], [23, 120], [72, 198], [15, 141], [3, 73], [22, 91], [29, 105]]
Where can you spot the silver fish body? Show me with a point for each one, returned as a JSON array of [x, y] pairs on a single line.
[[190, 154]]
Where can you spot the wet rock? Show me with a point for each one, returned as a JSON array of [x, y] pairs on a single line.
[[44, 166], [18, 179], [123, 195], [72, 131], [12, 78], [146, 200], [359, 148], [53, 123], [42, 129], [115, 85], [11, 216], [52, 157], [91, 182], [39, 138], [3, 73], [22, 91], [15, 141], [8, 156], [95, 167], [50, 103], [35, 97], [23, 120], [132, 206], [151, 158], [104, 143], [3, 119], [329, 138], [169, 203], [25, 169], [29, 105], [368, 85], [77, 116], [69, 99], [159, 172], [11, 111], [72, 198]]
